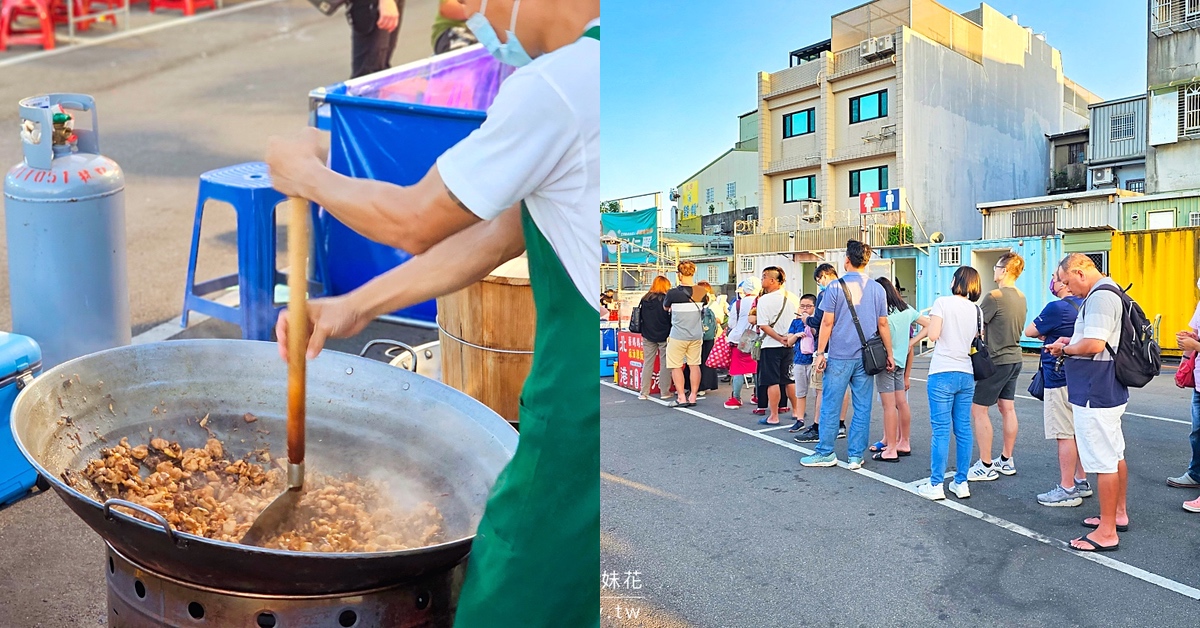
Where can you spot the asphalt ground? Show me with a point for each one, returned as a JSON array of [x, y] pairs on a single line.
[[708, 519]]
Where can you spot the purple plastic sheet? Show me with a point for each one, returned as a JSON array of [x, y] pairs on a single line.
[[467, 80]]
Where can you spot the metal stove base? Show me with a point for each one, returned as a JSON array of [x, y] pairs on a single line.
[[138, 598]]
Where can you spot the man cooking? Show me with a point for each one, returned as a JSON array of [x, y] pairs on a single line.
[[527, 180]]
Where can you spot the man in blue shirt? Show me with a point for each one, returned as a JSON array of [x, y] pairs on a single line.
[[1057, 320], [843, 365]]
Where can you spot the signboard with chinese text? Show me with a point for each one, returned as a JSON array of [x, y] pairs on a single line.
[[629, 362], [638, 232]]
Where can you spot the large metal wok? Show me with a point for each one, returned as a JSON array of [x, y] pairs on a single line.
[[364, 418]]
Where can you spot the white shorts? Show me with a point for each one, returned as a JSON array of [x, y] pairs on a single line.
[[1056, 414], [1099, 438]]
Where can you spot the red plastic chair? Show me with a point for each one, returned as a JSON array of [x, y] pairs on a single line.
[[58, 9], [187, 6], [11, 34]]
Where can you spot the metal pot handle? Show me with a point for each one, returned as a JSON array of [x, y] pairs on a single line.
[[395, 344], [159, 519]]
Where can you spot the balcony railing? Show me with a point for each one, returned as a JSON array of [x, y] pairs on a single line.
[[1070, 177], [1167, 16], [796, 78], [850, 61]]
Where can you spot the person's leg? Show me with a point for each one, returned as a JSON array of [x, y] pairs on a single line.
[[649, 352], [887, 400], [1068, 461], [738, 382], [963, 435], [982, 425], [1121, 513], [694, 370], [773, 404], [676, 363], [1008, 422], [834, 384], [941, 407], [1194, 465], [1101, 449], [677, 379], [863, 394], [904, 420], [817, 394], [799, 401]]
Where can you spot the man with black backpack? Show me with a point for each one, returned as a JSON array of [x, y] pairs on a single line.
[[1110, 350]]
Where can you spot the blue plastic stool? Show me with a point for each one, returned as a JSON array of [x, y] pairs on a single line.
[[247, 187]]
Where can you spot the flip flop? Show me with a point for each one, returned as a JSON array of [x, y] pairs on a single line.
[[677, 404], [1120, 528], [904, 453], [879, 457], [878, 446], [1096, 547], [763, 421]]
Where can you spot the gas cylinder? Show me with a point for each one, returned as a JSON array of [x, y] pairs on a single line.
[[64, 208]]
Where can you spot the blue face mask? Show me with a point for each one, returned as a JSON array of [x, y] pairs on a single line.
[[510, 52]]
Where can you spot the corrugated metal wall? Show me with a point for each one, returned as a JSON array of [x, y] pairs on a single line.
[[1162, 266], [1089, 215], [1101, 147], [1183, 207]]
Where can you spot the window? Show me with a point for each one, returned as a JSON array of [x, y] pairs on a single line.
[[1189, 109], [747, 264], [1194, 219], [799, 123], [868, 180], [800, 188], [1120, 127], [1029, 223], [1163, 219], [1100, 260], [712, 274], [710, 195], [1076, 153], [868, 107], [949, 256], [1136, 185], [731, 190]]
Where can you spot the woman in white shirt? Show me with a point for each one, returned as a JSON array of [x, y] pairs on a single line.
[[953, 323], [740, 363]]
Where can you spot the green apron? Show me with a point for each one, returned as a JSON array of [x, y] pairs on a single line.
[[536, 556]]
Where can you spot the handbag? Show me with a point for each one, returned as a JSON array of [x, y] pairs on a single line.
[[635, 319], [328, 7], [1185, 377], [747, 338], [756, 345], [721, 354], [981, 356], [874, 353], [1037, 386]]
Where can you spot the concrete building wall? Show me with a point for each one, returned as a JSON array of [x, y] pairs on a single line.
[[975, 132], [739, 167], [1172, 61]]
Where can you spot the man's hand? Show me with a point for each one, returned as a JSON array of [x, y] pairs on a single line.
[[389, 15], [819, 363], [292, 159], [907, 384], [1056, 348], [334, 317], [891, 363]]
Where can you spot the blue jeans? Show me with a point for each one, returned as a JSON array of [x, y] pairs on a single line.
[[1194, 467], [950, 397], [838, 375]]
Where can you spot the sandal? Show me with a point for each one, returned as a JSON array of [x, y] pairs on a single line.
[[1096, 547], [904, 453], [878, 446], [763, 421], [879, 457], [1087, 523]]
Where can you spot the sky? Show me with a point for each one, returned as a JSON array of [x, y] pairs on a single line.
[[675, 75]]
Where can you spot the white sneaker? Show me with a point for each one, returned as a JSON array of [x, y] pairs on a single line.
[[980, 473], [931, 492], [961, 491], [1006, 467]]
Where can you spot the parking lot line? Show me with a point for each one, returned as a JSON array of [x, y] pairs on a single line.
[[1100, 559]]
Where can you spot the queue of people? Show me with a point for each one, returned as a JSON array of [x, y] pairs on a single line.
[[838, 348]]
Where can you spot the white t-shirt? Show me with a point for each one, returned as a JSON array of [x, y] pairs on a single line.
[[952, 352], [541, 144], [742, 323], [1100, 319], [1195, 325], [769, 307]]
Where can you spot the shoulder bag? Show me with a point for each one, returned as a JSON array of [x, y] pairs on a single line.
[[981, 356], [874, 354], [756, 344]]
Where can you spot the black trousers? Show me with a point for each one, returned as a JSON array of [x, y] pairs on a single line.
[[371, 47]]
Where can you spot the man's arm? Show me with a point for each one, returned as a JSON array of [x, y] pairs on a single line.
[[826, 329], [441, 270], [412, 218]]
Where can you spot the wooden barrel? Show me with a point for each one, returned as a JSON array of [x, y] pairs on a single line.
[[486, 334]]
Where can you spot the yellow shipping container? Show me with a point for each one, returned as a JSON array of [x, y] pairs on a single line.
[[1162, 266]]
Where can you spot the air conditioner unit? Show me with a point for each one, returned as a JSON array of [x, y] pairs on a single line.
[[1102, 176], [885, 45], [810, 211], [674, 195], [867, 48]]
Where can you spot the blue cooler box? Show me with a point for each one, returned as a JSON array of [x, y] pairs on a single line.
[[608, 363], [19, 356]]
